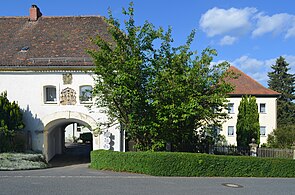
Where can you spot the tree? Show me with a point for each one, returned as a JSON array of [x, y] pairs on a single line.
[[283, 82], [282, 137], [160, 95], [10, 122], [185, 89], [248, 122], [122, 76]]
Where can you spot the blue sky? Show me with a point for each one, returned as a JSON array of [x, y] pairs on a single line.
[[250, 34]]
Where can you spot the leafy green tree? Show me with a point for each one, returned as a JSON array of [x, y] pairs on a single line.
[[122, 69], [282, 137], [283, 82], [10, 122], [248, 126], [184, 90], [160, 95]]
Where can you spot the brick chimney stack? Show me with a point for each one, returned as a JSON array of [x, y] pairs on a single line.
[[34, 13]]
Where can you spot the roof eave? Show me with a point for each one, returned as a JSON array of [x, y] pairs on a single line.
[[256, 95], [46, 68]]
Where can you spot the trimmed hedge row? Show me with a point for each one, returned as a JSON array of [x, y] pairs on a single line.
[[191, 164]]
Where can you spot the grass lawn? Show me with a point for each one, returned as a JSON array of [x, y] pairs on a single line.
[[21, 161]]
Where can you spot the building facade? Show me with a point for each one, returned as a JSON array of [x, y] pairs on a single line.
[[44, 67], [266, 100]]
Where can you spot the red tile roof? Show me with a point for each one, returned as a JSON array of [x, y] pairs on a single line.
[[49, 41], [245, 85]]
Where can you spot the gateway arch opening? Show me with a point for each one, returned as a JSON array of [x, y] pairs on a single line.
[[68, 140], [76, 146]]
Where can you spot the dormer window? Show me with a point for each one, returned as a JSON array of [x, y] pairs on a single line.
[[25, 49]]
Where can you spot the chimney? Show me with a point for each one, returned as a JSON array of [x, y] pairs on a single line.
[[34, 13]]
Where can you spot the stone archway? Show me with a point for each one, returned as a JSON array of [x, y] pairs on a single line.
[[54, 124]]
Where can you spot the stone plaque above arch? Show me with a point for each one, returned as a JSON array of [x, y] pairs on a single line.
[[67, 78], [68, 97]]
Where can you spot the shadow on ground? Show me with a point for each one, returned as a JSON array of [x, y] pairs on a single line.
[[75, 153]]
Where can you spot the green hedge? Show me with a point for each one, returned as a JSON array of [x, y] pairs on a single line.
[[191, 164]]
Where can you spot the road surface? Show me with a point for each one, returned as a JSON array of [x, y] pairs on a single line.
[[79, 179]]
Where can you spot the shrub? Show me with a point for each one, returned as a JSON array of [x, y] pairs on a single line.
[[22, 161], [282, 137], [191, 164], [10, 123]]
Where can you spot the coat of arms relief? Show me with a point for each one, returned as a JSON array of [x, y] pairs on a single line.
[[68, 97]]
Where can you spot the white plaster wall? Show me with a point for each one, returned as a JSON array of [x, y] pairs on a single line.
[[268, 119], [27, 88]]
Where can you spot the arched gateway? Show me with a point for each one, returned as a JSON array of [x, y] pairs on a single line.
[[54, 127]]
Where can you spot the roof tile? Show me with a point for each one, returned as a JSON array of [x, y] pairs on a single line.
[[48, 38], [245, 85]]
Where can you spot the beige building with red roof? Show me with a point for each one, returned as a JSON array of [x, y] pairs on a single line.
[[267, 106]]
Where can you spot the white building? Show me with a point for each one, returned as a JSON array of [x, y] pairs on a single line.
[[266, 100], [43, 64]]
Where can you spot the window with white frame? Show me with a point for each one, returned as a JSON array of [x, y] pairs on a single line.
[[262, 131], [262, 108], [50, 94], [230, 107], [86, 94], [230, 130]]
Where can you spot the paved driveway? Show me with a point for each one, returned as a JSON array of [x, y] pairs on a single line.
[[74, 153], [79, 179]]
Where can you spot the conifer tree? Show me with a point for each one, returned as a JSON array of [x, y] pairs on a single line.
[[10, 122], [283, 82], [248, 122]]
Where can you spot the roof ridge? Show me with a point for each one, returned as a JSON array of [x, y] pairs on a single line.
[[78, 16]]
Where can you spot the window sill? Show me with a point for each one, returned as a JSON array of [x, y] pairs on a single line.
[[86, 102], [50, 102]]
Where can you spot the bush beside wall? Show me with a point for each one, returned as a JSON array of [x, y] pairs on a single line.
[[191, 164]]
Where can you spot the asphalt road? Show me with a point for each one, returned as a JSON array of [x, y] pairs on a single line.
[[79, 179]]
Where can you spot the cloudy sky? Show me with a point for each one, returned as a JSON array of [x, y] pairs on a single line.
[[250, 34]]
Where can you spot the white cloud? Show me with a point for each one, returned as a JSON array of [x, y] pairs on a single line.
[[218, 21], [291, 61], [258, 69], [276, 24], [248, 64], [228, 40], [290, 32], [236, 22]]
